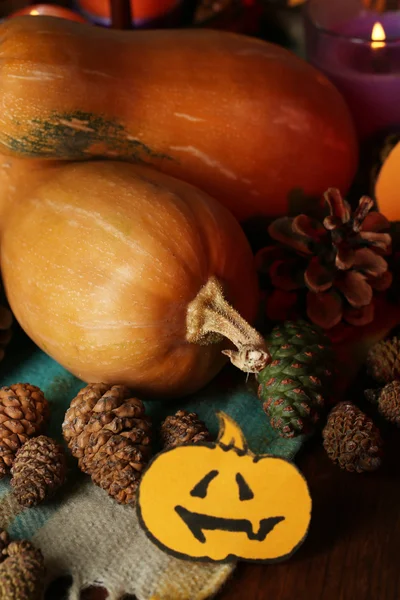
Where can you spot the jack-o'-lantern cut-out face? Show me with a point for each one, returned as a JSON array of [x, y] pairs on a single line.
[[220, 501]]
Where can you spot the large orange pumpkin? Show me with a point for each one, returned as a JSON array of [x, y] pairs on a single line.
[[247, 121], [120, 273]]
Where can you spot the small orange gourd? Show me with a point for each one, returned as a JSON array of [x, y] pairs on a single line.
[[388, 185], [124, 274], [247, 121]]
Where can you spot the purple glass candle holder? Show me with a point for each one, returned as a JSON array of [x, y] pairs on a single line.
[[340, 42]]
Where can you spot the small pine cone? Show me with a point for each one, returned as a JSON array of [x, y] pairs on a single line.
[[388, 400], [183, 428], [4, 541], [351, 439], [23, 412], [22, 572], [78, 416], [107, 430], [383, 361], [38, 471]]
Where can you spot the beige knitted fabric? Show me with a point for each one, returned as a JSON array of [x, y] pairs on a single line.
[[102, 544]]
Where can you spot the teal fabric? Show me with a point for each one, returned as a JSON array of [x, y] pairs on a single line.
[[230, 392]]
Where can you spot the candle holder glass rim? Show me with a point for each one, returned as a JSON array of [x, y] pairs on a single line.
[[339, 35]]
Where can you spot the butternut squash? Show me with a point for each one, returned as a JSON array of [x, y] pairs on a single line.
[[126, 275], [19, 177], [247, 121]]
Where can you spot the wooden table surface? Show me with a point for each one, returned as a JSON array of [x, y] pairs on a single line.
[[353, 548]]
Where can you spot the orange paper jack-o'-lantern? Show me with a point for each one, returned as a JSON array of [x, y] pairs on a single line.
[[220, 501]]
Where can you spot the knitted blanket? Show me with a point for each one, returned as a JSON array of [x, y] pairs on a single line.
[[84, 533]]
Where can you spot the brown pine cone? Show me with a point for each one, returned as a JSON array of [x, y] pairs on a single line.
[[108, 431], [183, 428], [383, 361], [351, 439], [23, 412], [334, 265], [388, 400], [38, 471], [22, 572]]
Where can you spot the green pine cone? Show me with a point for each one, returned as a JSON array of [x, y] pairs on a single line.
[[293, 385], [299, 334]]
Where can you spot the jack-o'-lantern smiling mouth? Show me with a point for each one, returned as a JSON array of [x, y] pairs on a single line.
[[198, 522]]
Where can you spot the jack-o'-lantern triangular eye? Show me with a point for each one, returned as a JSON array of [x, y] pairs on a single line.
[[245, 493], [200, 489]]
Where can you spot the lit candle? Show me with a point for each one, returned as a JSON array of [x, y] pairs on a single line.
[[378, 37], [361, 55], [378, 46], [50, 10]]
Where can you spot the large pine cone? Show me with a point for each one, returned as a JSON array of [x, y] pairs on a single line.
[[183, 428], [334, 264], [108, 431], [383, 360], [22, 572], [351, 439], [23, 412], [38, 471]]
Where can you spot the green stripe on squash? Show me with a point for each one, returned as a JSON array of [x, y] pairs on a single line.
[[79, 135]]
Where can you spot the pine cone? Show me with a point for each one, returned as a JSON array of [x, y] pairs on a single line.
[[183, 428], [294, 386], [23, 413], [337, 263], [351, 439], [38, 471], [108, 431], [383, 361], [22, 572], [388, 400]]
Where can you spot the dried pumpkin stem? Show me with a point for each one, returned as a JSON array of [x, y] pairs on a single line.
[[210, 318]]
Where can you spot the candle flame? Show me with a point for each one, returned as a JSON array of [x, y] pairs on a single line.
[[378, 36]]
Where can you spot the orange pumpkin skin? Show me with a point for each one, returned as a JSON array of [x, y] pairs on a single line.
[[101, 262], [247, 121], [388, 184], [19, 177]]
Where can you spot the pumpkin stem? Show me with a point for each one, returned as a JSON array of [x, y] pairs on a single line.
[[210, 318]]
